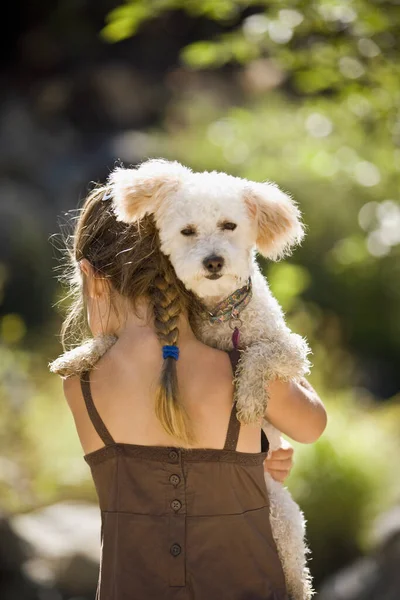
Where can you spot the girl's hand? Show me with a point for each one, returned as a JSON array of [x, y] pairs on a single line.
[[280, 464]]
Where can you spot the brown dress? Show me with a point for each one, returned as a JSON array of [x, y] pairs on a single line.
[[183, 524]]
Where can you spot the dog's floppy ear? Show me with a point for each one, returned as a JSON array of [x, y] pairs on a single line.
[[277, 217], [140, 191]]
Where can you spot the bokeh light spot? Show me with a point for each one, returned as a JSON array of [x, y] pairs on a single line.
[[367, 215], [368, 48], [367, 174], [351, 67], [12, 328], [318, 125], [376, 244], [255, 26], [279, 32]]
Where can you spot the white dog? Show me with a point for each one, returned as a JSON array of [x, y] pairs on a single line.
[[210, 225]]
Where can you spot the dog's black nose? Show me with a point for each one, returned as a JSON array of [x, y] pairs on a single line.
[[213, 264]]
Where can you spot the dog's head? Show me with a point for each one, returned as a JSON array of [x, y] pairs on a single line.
[[210, 223]]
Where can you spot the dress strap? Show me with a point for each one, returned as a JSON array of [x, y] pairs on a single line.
[[94, 416], [232, 434]]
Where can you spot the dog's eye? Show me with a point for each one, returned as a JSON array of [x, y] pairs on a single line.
[[188, 231], [229, 226]]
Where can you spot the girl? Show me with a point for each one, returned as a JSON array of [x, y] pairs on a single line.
[[180, 481]]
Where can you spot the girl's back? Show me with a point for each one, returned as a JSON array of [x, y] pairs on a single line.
[[177, 522], [123, 385]]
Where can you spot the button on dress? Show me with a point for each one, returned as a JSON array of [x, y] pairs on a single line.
[[183, 524]]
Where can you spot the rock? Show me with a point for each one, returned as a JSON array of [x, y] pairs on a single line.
[[15, 584], [374, 577], [65, 547]]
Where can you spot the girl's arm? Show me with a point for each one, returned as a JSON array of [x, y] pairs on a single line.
[[296, 410]]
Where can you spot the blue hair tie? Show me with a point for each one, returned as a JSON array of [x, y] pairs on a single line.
[[170, 352]]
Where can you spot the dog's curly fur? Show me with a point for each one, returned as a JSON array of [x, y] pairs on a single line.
[[83, 357]]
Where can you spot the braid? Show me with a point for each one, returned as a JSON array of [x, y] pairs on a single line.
[[168, 304], [167, 308]]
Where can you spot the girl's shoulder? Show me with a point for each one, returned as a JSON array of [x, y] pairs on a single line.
[[72, 391]]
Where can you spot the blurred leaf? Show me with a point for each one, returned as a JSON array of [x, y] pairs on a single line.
[[287, 281], [124, 21], [204, 54]]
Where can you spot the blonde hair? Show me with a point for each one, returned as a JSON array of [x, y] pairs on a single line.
[[129, 258]]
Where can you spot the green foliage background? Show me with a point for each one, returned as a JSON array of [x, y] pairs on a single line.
[[306, 95]]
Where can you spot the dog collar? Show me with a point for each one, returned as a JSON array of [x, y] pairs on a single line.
[[230, 308]]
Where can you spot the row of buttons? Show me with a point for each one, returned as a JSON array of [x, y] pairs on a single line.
[[175, 479], [176, 504]]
